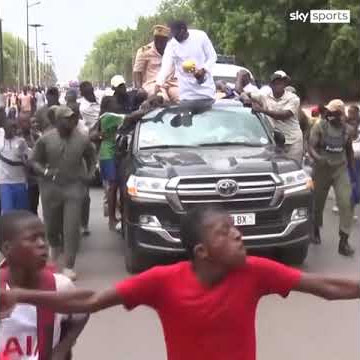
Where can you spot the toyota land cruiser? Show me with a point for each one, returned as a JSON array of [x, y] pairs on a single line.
[[179, 157]]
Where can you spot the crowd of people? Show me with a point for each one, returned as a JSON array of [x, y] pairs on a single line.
[[51, 150]]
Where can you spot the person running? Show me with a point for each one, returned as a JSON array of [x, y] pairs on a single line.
[[26, 131], [40, 99], [353, 121], [13, 102], [82, 128], [282, 107], [112, 113], [192, 47], [13, 181], [29, 332], [89, 106], [330, 147], [25, 101], [89, 112], [43, 122], [58, 158], [148, 64], [109, 123], [207, 305]]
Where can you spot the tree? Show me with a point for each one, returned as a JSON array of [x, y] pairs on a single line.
[[109, 72], [116, 50], [321, 57], [263, 38], [14, 50]]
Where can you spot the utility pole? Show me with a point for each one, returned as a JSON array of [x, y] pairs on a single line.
[[27, 44], [28, 40], [30, 71], [44, 44], [37, 77], [1, 56], [24, 65], [18, 60]]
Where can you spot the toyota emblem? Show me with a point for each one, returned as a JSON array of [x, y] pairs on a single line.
[[227, 188]]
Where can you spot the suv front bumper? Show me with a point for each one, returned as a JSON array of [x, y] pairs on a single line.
[[277, 229]]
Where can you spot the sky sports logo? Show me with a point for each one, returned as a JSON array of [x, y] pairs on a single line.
[[322, 16]]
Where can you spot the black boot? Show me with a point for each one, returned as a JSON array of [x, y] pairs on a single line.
[[316, 239], [344, 248]]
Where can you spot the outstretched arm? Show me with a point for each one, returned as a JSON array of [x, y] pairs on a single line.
[[64, 302], [143, 289], [329, 288]]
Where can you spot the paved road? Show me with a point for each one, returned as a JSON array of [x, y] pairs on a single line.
[[301, 327]]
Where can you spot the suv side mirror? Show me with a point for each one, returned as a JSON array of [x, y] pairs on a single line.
[[279, 138]]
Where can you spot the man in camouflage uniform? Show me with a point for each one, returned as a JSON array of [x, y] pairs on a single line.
[[148, 63]]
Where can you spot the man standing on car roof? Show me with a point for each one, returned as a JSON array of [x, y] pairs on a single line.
[[193, 55]]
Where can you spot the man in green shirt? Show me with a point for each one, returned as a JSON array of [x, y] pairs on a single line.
[[109, 123]]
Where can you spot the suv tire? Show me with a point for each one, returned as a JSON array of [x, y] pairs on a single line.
[[135, 262], [295, 254]]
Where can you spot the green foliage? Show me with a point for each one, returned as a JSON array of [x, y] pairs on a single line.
[[14, 51], [261, 36], [116, 50], [258, 32]]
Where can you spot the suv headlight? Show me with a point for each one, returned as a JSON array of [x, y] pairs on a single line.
[[146, 188], [296, 181]]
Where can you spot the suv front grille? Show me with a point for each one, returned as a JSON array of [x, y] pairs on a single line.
[[254, 192]]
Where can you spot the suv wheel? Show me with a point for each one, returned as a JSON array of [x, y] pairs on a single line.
[[135, 262], [295, 254]]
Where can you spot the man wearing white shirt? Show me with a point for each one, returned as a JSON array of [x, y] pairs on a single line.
[[189, 46]]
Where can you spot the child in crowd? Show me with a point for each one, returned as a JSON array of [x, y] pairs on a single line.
[[13, 180], [28, 331]]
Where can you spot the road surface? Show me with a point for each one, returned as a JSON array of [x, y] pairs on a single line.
[[298, 328]]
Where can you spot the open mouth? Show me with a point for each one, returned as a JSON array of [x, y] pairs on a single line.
[[44, 257]]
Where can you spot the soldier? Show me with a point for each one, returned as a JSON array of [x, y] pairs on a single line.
[[58, 159], [330, 146], [148, 63]]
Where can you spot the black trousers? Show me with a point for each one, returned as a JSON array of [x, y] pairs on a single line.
[[34, 198]]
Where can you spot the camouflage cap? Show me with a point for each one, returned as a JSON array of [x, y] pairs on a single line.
[[161, 30]]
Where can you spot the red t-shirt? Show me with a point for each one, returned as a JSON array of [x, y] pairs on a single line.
[[204, 323]]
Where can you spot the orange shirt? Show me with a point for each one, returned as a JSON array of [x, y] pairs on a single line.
[[25, 103]]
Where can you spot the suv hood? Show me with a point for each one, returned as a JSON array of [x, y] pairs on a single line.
[[215, 160]]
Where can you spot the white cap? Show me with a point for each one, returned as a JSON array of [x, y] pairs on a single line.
[[279, 74], [117, 80]]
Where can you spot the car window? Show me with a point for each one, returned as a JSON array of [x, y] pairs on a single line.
[[217, 126]]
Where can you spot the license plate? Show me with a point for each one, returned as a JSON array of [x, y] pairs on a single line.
[[244, 219]]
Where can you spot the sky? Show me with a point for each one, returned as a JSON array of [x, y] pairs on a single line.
[[71, 26]]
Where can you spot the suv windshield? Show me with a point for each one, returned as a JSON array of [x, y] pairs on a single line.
[[220, 126]]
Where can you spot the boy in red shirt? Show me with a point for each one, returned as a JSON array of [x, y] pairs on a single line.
[[207, 305]]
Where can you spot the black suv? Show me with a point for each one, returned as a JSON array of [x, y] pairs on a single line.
[[180, 157]]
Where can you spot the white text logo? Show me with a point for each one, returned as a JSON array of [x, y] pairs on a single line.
[[322, 16]]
